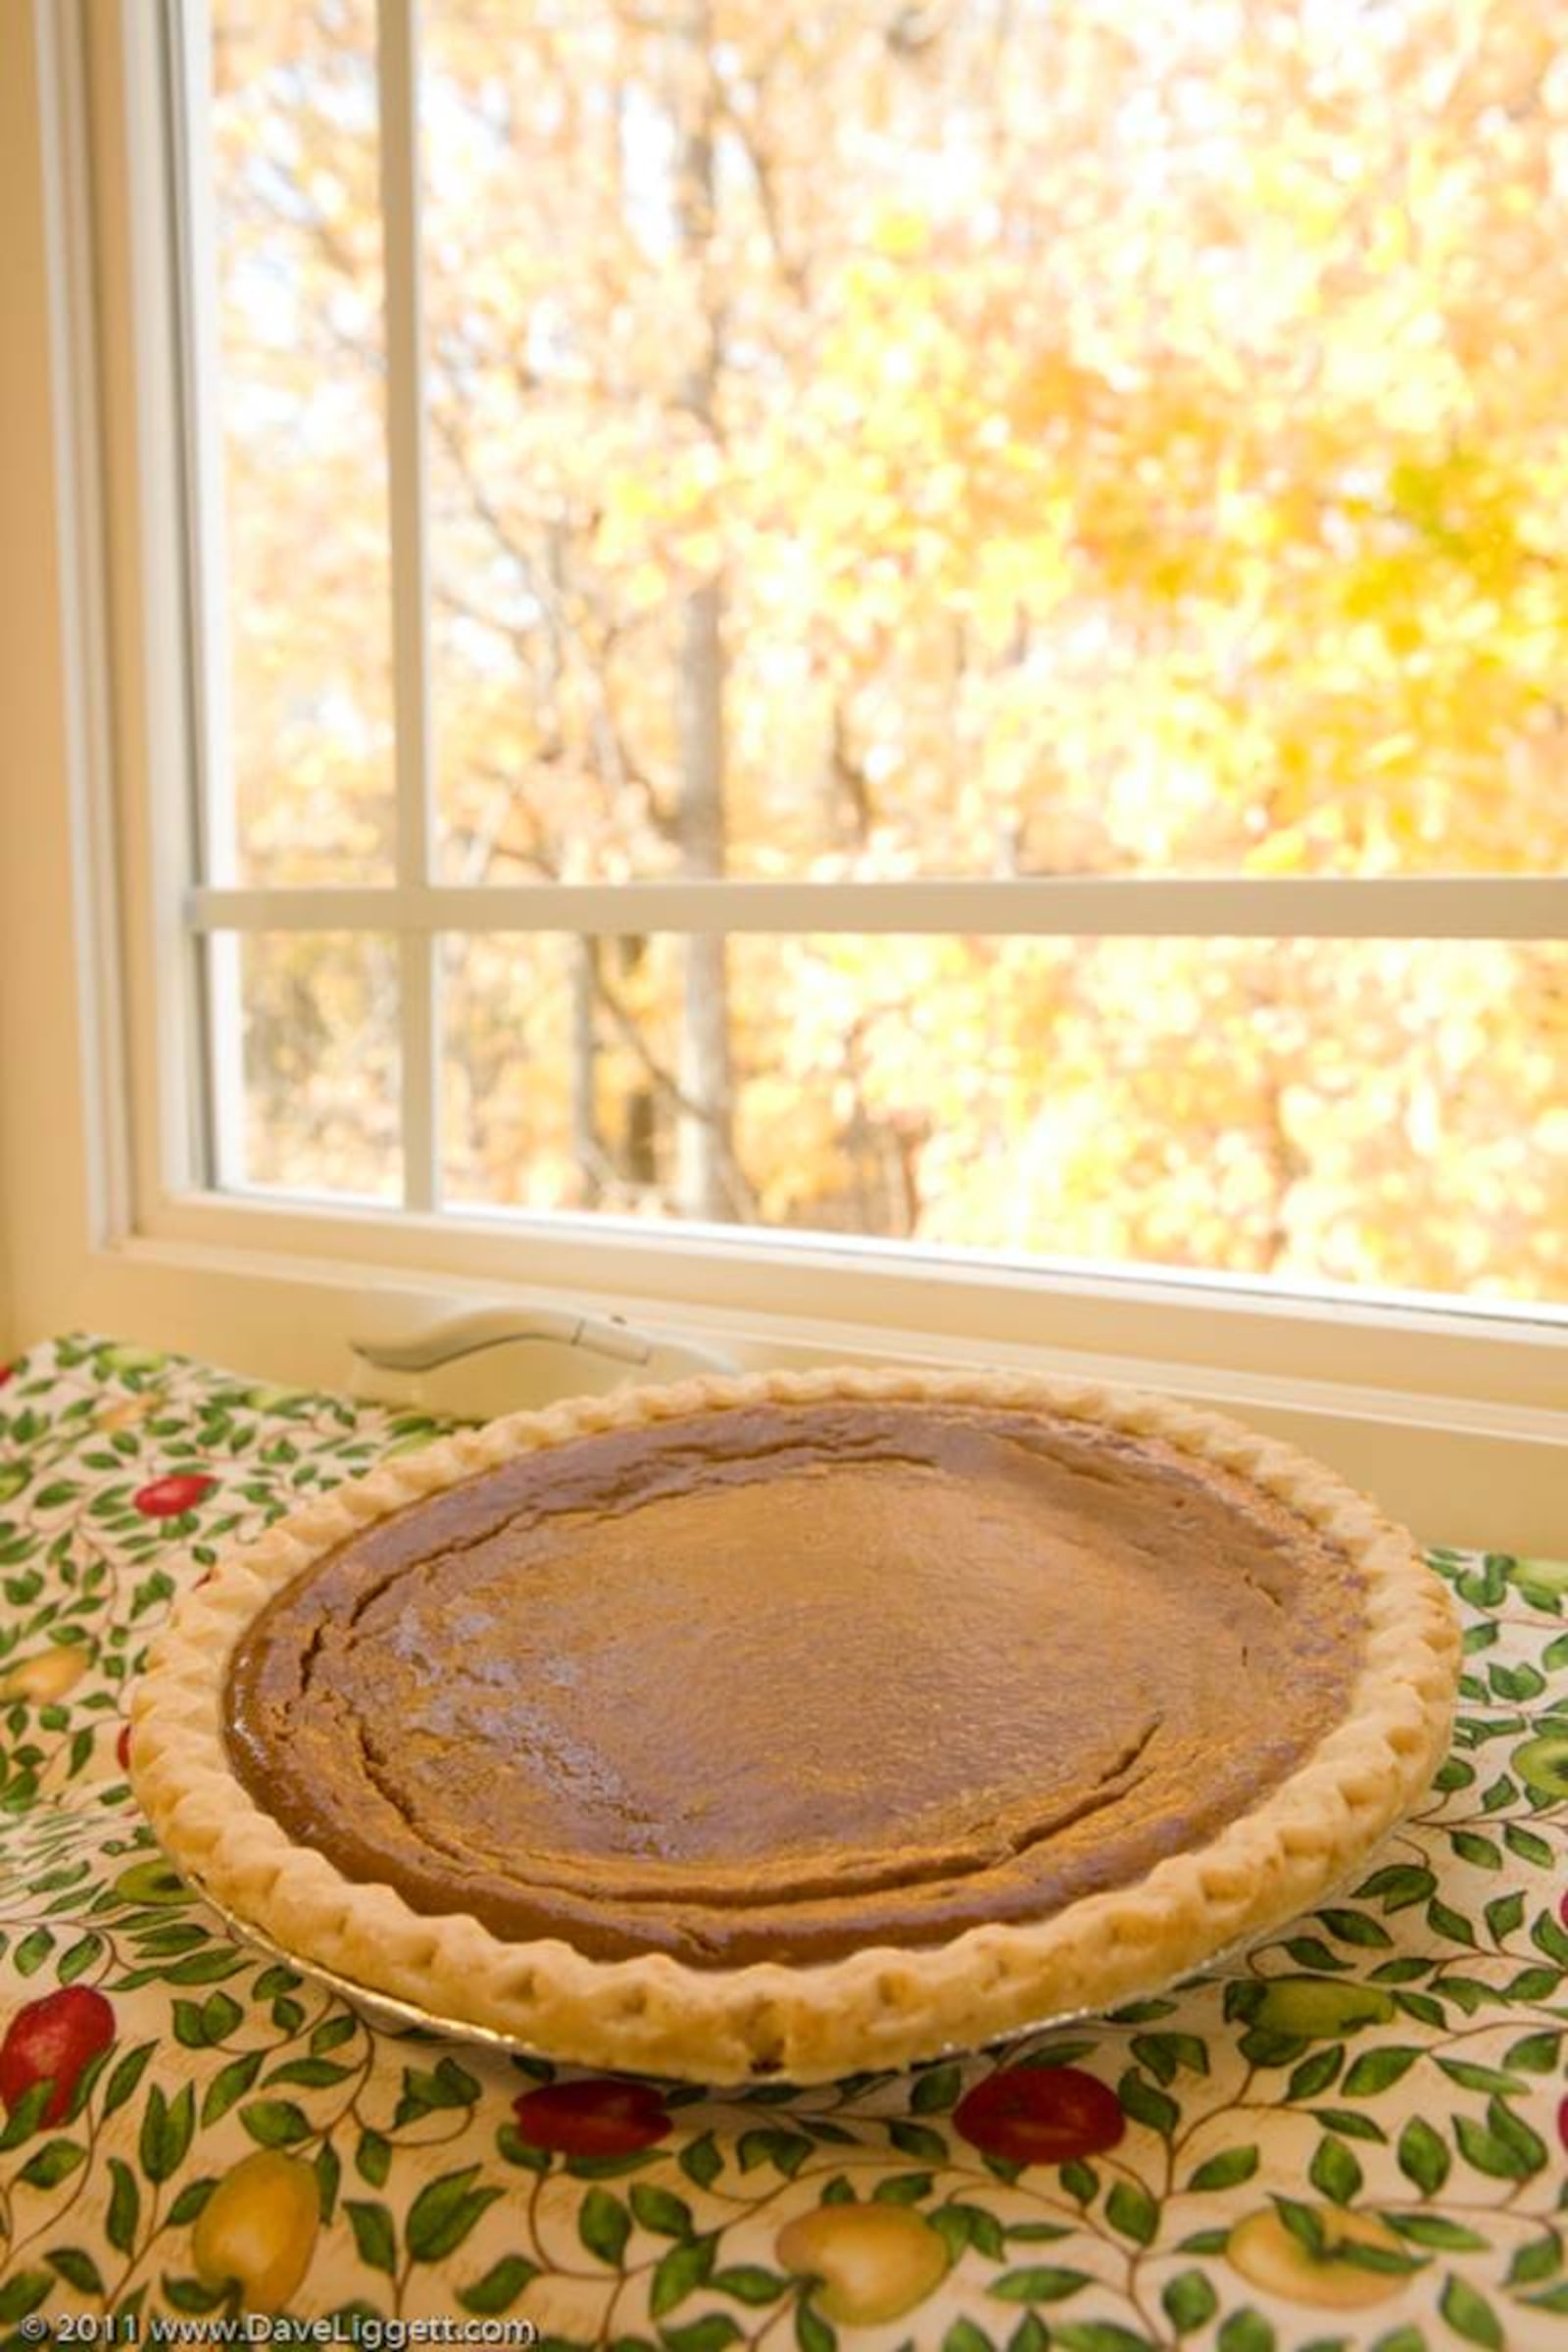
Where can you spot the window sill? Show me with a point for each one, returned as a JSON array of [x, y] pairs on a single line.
[[1458, 1468]]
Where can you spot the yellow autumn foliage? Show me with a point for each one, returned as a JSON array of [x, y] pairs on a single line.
[[1112, 440]]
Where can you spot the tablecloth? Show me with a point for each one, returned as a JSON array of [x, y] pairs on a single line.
[[1351, 2139]]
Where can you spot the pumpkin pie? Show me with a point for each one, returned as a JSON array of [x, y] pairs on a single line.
[[789, 1724]]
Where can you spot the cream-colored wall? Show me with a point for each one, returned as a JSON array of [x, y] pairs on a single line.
[[41, 1154], [8, 1339]]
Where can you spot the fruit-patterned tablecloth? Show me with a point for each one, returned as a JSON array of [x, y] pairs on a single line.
[[1353, 2138]]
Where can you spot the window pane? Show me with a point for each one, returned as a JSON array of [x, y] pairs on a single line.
[[998, 437], [299, 396], [1381, 1115], [310, 1025], [508, 1135]]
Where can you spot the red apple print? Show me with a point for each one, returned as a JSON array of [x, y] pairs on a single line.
[[597, 2118], [167, 1498], [54, 2038], [123, 1747], [7, 1372], [1039, 2115]]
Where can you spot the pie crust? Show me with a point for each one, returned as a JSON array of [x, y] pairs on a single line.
[[886, 2003]]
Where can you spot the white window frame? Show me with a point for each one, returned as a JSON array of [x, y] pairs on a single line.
[[1457, 1420]]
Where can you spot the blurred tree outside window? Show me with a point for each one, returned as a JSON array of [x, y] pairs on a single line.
[[957, 438]]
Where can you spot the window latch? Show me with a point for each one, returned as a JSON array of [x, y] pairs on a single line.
[[407, 1361]]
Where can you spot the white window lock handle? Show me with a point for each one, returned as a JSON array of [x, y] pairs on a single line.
[[449, 1339]]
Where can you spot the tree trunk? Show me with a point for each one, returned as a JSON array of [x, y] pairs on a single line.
[[702, 1134], [639, 1104], [704, 1149], [586, 1150]]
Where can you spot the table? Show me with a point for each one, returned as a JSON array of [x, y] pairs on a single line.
[[1353, 2138]]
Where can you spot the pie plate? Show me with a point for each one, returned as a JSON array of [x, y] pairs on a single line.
[[792, 1726], [412, 2016]]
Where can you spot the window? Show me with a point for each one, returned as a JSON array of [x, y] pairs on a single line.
[[906, 446], [931, 629]]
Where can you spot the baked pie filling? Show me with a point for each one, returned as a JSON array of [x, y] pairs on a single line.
[[779, 1682]]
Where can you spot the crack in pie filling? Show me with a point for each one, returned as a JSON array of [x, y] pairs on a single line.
[[801, 1722]]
